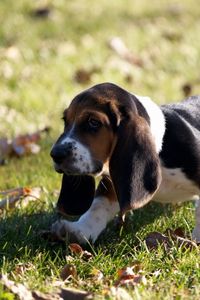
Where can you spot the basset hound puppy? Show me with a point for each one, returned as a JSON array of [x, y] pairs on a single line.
[[141, 151]]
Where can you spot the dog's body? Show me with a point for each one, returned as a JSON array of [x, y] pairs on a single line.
[[143, 152]]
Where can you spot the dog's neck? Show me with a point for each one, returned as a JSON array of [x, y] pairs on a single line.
[[157, 120]]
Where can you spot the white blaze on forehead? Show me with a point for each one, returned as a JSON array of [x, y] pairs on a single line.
[[157, 120], [82, 159]]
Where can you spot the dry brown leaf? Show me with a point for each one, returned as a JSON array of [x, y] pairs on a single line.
[[178, 236], [26, 144], [23, 293], [41, 12], [96, 275], [76, 249], [16, 288], [72, 294], [63, 294], [126, 276], [67, 271], [154, 239], [87, 255], [21, 145], [187, 89], [117, 45], [21, 268], [84, 76], [178, 232], [12, 196]]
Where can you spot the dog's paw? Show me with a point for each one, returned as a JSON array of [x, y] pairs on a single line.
[[65, 230]]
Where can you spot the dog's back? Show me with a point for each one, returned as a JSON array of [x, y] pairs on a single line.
[[188, 109], [180, 155]]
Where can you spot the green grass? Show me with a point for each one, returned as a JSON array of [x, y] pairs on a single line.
[[38, 61]]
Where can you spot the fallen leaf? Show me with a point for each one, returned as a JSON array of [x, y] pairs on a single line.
[[154, 239], [96, 275], [21, 268], [21, 145], [119, 47], [84, 76], [178, 231], [157, 273], [16, 288], [67, 271], [26, 144], [23, 293], [187, 89], [12, 196], [87, 255], [76, 249], [41, 12], [69, 258], [127, 276], [178, 236], [32, 194], [72, 294]]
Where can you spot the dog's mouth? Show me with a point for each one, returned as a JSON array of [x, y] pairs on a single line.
[[72, 170], [58, 169]]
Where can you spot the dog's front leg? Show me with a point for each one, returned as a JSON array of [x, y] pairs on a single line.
[[103, 209]]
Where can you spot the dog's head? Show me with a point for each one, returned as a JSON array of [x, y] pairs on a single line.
[[106, 129]]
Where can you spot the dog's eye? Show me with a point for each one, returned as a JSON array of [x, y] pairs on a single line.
[[94, 123]]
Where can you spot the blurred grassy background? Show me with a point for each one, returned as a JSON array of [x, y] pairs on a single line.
[[50, 51], [45, 45]]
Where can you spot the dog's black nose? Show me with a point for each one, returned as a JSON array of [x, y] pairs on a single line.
[[59, 153]]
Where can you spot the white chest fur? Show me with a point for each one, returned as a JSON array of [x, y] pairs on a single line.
[[175, 187]]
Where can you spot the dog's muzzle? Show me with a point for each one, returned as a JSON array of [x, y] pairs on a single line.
[[69, 159]]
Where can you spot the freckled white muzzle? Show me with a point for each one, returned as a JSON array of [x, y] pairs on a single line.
[[72, 157]]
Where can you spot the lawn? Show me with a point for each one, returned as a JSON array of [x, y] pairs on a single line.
[[50, 51]]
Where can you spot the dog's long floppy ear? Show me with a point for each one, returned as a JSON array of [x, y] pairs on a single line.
[[134, 164], [76, 194]]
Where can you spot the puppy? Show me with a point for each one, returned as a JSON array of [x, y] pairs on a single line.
[[141, 151]]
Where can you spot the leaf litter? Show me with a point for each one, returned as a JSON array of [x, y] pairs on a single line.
[[21, 145], [11, 197], [130, 276], [68, 271], [155, 239], [78, 250], [23, 293]]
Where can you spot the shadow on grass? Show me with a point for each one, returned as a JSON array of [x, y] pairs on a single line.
[[135, 221], [20, 233], [21, 238]]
